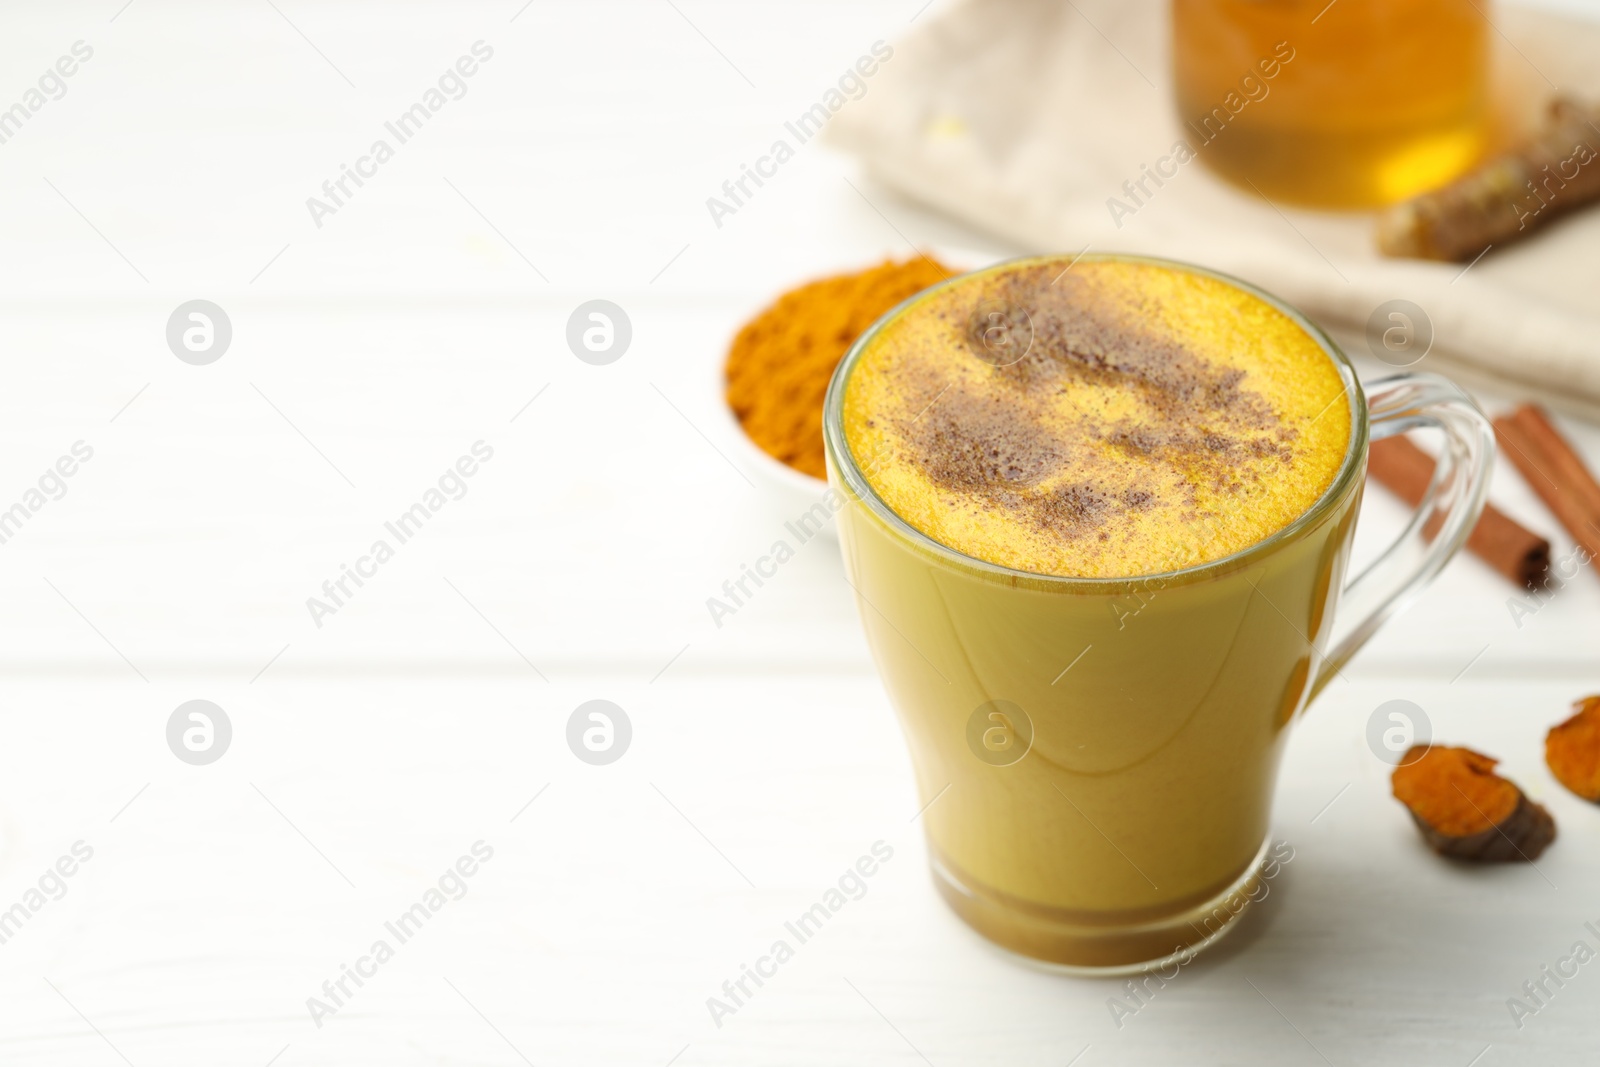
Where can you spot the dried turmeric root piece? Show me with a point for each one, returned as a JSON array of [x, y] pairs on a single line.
[[1572, 750], [1505, 199], [1468, 812]]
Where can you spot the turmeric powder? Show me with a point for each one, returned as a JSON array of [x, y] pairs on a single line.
[[1572, 750], [1468, 812], [780, 363]]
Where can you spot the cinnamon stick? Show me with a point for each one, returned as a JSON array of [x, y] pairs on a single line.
[[1554, 471], [1569, 467], [1499, 540]]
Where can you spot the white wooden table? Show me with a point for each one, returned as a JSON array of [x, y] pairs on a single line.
[[429, 712]]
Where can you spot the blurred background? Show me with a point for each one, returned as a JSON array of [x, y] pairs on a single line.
[[356, 343]]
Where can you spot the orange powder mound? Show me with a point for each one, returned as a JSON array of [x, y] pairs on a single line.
[[781, 361], [1572, 750]]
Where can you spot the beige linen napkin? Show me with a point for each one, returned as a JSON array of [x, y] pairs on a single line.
[[1024, 117]]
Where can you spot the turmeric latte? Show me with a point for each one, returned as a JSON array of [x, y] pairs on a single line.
[[1108, 418]]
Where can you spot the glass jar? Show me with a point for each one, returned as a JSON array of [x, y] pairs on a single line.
[[1348, 104]]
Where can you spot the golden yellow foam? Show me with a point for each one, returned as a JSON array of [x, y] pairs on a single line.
[[1156, 418]]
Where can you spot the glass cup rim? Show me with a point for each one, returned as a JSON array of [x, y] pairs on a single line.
[[843, 461]]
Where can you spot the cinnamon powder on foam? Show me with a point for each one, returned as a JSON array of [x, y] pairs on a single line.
[[1159, 419]]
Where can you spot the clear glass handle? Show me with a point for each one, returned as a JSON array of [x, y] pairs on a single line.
[[1443, 520]]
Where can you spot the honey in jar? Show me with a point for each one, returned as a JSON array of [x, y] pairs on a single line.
[[1349, 104]]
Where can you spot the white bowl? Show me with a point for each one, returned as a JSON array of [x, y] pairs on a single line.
[[793, 493]]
